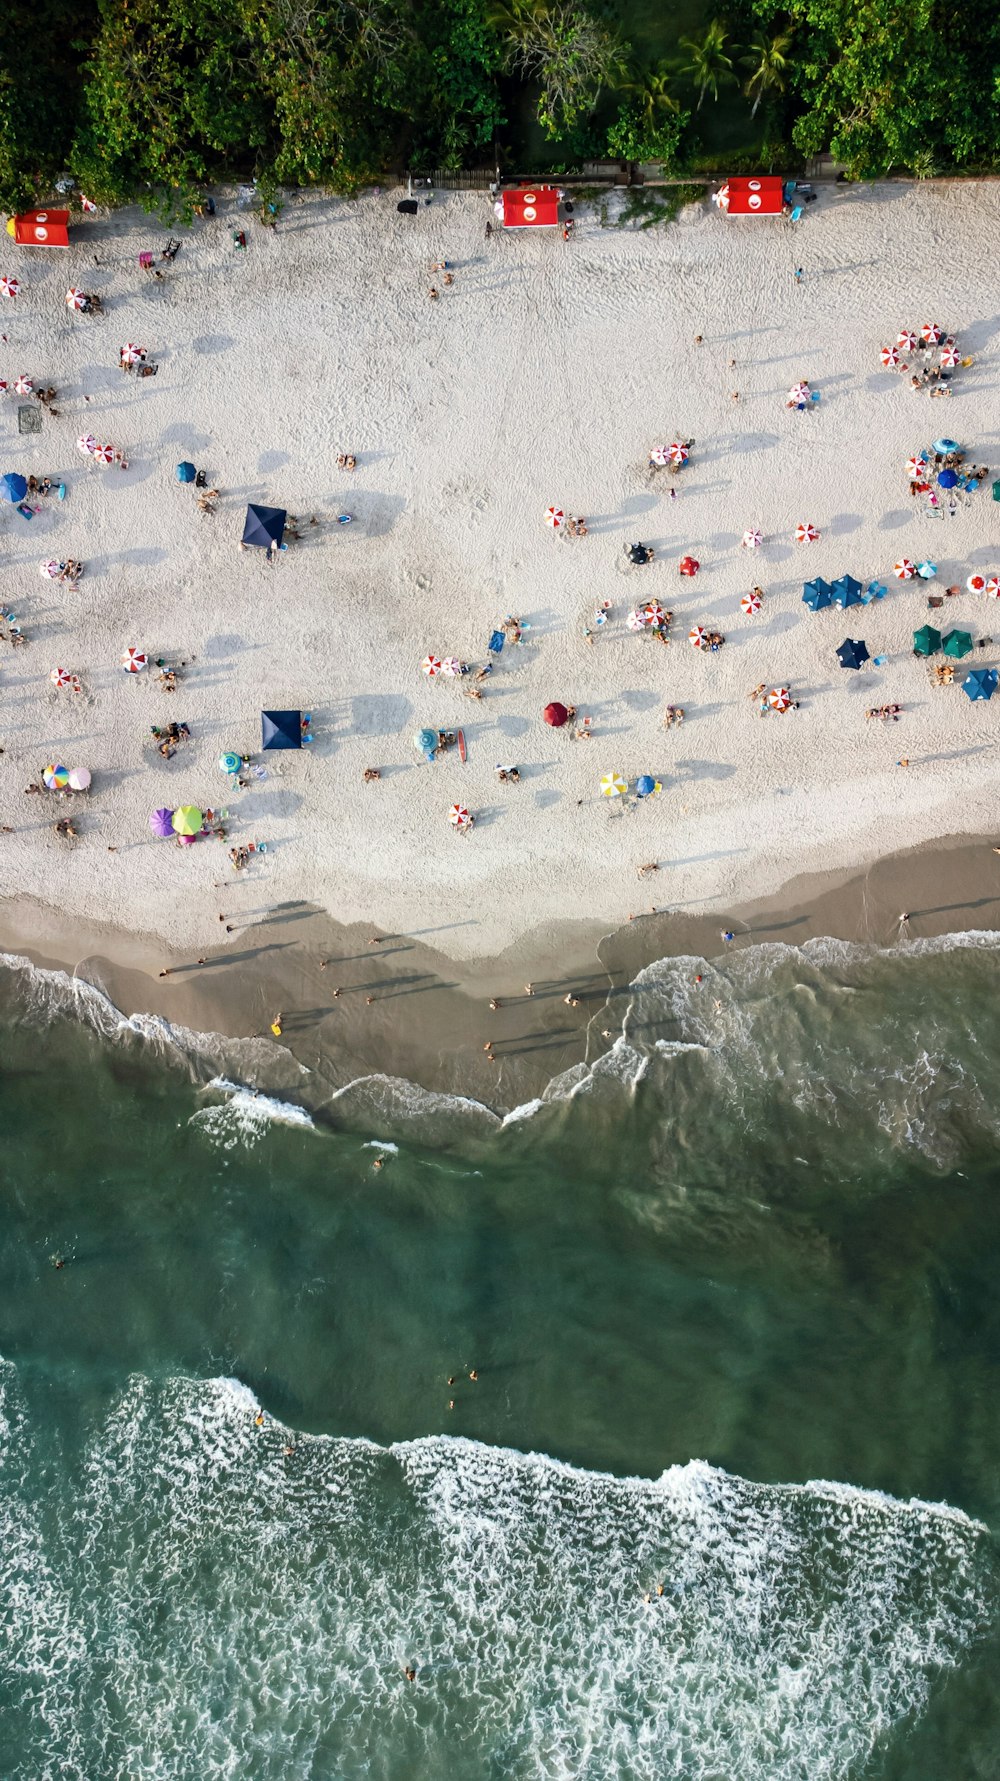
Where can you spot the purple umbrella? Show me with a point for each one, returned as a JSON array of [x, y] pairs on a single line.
[[161, 822]]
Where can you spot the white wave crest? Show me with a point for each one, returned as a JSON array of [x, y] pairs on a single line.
[[245, 1115]]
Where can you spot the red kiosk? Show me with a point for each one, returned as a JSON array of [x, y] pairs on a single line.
[[534, 208], [763, 195], [40, 228]]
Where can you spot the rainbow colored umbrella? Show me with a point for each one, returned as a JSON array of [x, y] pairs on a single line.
[[56, 777]]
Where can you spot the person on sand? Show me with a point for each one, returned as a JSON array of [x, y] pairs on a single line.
[[571, 1000], [276, 1025]]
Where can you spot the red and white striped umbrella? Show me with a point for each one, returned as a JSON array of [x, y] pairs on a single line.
[[976, 584], [806, 533], [23, 385], [906, 339], [679, 452], [61, 677], [51, 570], [554, 516], [915, 467], [904, 570], [931, 333], [9, 286], [104, 454], [697, 637], [799, 392], [459, 817], [87, 444], [753, 538], [636, 621], [653, 614], [889, 355], [131, 354], [751, 603], [779, 698], [4, 386], [659, 455], [133, 660], [431, 666], [451, 666], [993, 586], [75, 299], [949, 357], [87, 203]]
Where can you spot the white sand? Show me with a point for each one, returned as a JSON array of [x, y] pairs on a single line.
[[545, 374]]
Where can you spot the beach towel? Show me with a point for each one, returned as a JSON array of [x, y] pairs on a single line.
[[496, 642]]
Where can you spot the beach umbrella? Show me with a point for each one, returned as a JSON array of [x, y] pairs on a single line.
[[993, 587], [927, 571], [904, 570], [185, 472], [915, 468], [659, 455], [230, 763], [87, 204], [678, 452], [23, 386], [926, 641], [981, 683], [79, 779], [281, 729], [613, 786], [750, 603], [906, 339], [9, 286], [889, 355], [264, 526], [4, 386], [946, 445], [653, 614], [639, 553], [753, 538], [75, 299], [162, 823], [947, 479], [931, 333], [459, 817], [779, 698], [806, 533], [976, 584], [949, 358], [698, 637], [846, 592], [817, 594], [55, 777], [131, 354], [636, 620], [104, 454], [555, 715], [187, 820], [426, 741], [554, 516], [133, 660], [799, 392], [646, 786], [451, 666], [13, 486], [87, 444], [687, 565], [852, 653], [51, 570], [957, 644], [61, 677], [431, 666]]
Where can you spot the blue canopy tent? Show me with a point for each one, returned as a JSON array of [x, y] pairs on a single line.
[[852, 653], [264, 526], [980, 683], [846, 592], [281, 729], [14, 486], [817, 594]]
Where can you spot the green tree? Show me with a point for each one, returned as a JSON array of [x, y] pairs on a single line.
[[767, 60], [652, 98], [708, 66], [637, 136], [568, 52]]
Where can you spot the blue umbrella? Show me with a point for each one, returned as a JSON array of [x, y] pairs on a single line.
[[980, 683], [947, 479], [846, 592], [946, 445], [185, 472], [14, 486], [426, 741], [646, 785], [817, 594], [926, 571], [852, 653]]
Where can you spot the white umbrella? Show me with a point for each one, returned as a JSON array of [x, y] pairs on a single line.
[[87, 204], [931, 333], [9, 286], [23, 385], [79, 779], [779, 698], [459, 817], [949, 357], [915, 467], [751, 603], [806, 533], [993, 587], [133, 660], [61, 677], [799, 392], [75, 299], [697, 637], [104, 454], [636, 621], [659, 455], [906, 339], [753, 538], [431, 666], [613, 786], [653, 614], [87, 444], [451, 666], [51, 570], [889, 355], [679, 452], [132, 355], [554, 516], [904, 570]]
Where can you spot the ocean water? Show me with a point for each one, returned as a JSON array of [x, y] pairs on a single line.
[[722, 1501]]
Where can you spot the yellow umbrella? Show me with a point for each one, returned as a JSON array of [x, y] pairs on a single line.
[[187, 820], [613, 785]]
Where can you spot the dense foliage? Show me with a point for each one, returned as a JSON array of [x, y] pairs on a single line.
[[154, 98]]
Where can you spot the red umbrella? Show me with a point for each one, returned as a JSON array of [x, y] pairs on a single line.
[[61, 677], [554, 516], [949, 357], [904, 570], [556, 715], [689, 565], [779, 698], [931, 333], [678, 452], [751, 603], [9, 286], [906, 338], [806, 533], [698, 637], [890, 355]]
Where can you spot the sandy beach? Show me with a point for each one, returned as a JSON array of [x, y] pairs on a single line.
[[544, 374]]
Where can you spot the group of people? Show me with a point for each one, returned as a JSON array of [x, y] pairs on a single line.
[[169, 739], [885, 713]]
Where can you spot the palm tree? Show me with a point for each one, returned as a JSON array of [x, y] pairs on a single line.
[[767, 59], [652, 94], [709, 66]]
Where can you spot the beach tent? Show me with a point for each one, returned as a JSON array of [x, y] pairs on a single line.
[[264, 526], [926, 641], [846, 592], [957, 644], [761, 196], [40, 228], [851, 653], [817, 594], [981, 683], [537, 208], [281, 729]]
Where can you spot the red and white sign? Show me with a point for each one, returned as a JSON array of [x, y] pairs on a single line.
[[534, 209], [762, 196], [40, 228]]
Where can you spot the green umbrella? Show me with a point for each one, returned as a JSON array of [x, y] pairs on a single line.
[[187, 820], [926, 641], [957, 643]]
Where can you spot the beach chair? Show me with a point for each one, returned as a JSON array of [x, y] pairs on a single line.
[[796, 216]]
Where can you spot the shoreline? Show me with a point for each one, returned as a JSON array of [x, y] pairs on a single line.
[[429, 1015]]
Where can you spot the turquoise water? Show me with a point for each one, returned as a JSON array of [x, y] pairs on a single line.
[[731, 1300]]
